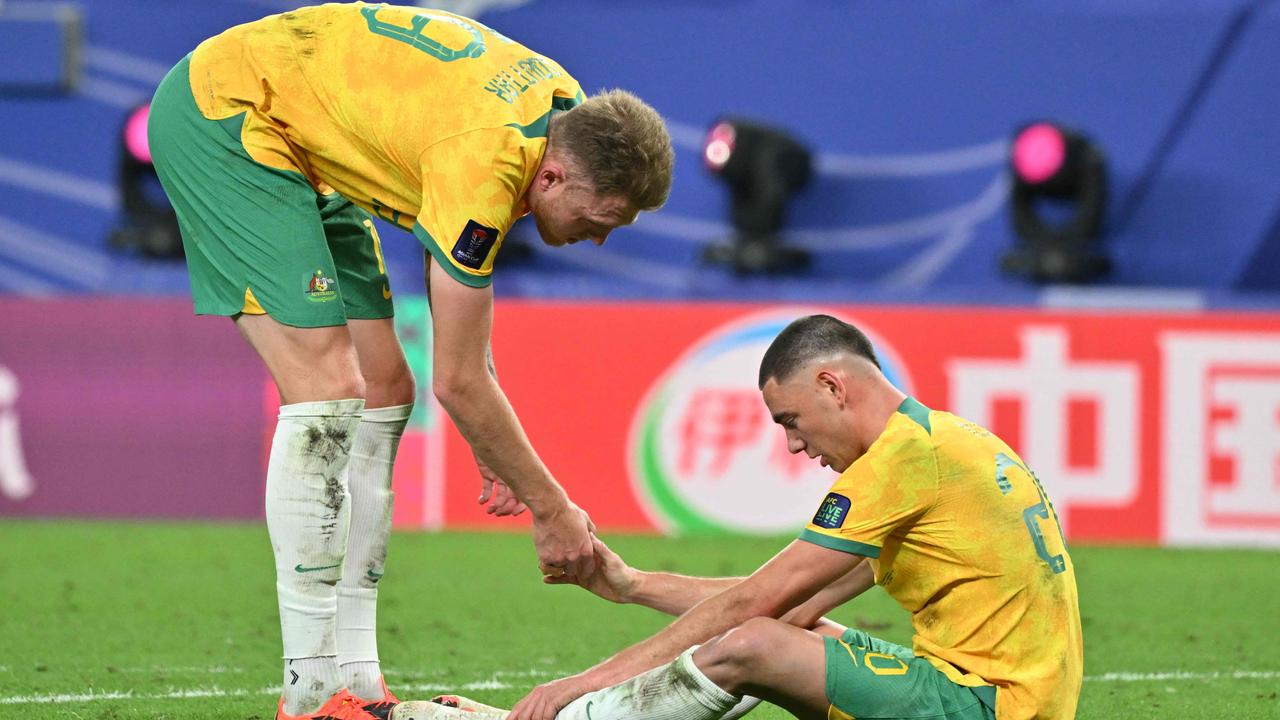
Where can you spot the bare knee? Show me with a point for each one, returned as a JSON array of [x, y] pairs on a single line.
[[730, 659], [391, 388], [332, 374], [308, 364], [382, 363], [321, 386]]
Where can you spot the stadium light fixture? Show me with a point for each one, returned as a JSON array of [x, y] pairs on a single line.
[[1057, 199], [149, 224], [763, 168]]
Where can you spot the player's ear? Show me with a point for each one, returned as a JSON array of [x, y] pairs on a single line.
[[833, 384], [551, 174]]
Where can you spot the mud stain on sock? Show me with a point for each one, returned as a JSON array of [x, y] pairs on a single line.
[[326, 441]]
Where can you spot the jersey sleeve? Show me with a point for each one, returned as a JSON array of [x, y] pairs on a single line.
[[892, 484], [471, 186]]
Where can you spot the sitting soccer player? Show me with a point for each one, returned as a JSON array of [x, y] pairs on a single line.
[[933, 508]]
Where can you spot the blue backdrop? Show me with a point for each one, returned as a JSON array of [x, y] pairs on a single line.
[[908, 107]]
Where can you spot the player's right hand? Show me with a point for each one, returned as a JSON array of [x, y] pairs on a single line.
[[505, 503], [563, 540], [612, 580]]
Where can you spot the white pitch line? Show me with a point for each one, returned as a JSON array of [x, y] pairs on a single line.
[[1180, 675], [496, 684], [129, 695], [216, 692]]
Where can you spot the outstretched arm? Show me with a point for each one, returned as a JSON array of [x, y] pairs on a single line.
[[784, 583], [505, 502], [616, 581], [461, 320], [675, 594]]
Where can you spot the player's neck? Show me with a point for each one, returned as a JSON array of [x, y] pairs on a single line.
[[876, 408]]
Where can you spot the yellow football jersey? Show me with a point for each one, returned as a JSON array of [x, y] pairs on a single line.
[[429, 120], [961, 534]]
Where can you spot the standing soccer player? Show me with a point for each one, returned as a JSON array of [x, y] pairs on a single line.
[[275, 141], [936, 510]]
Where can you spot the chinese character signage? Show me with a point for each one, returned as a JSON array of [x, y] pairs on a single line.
[[1145, 427]]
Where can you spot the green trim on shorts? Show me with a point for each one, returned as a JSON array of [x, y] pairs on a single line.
[[442, 257], [871, 678], [853, 547], [308, 260]]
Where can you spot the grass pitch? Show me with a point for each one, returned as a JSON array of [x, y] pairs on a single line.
[[120, 621]]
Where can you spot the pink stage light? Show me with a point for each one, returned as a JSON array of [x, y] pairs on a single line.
[[1039, 152], [135, 134], [719, 146]]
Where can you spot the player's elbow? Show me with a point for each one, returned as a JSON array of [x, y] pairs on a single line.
[[457, 391]]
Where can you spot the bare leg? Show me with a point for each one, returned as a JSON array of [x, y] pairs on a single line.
[[307, 364], [321, 394], [388, 380]]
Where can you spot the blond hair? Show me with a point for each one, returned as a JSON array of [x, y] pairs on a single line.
[[621, 144]]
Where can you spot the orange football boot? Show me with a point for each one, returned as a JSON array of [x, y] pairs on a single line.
[[342, 706], [381, 709]]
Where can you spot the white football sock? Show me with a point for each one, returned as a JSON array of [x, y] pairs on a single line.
[[308, 683], [307, 519], [373, 455], [744, 706], [676, 691]]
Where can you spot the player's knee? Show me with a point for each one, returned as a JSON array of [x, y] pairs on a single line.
[[350, 385], [331, 373], [732, 656], [336, 384], [321, 387], [394, 388]]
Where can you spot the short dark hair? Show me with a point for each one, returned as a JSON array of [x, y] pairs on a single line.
[[809, 338]]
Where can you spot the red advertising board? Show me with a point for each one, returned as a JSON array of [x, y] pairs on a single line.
[[1144, 427]]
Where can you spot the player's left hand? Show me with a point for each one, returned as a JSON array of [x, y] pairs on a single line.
[[613, 579], [504, 502], [550, 698]]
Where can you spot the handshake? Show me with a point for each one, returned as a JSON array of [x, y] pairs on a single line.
[[610, 577]]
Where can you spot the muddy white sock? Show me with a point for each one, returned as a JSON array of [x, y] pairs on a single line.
[[307, 519], [308, 683], [744, 706], [369, 474], [676, 691]]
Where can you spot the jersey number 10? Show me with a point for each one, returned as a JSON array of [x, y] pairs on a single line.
[[413, 35], [1032, 516]]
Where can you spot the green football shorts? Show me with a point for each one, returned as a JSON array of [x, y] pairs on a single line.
[[258, 239], [871, 678]]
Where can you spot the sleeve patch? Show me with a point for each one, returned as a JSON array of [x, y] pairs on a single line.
[[474, 244], [832, 512]]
